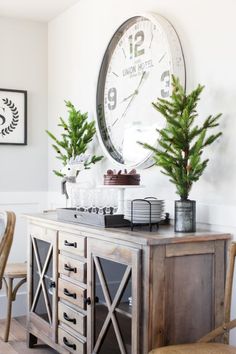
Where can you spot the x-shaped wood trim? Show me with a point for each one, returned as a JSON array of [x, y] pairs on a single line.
[[41, 279], [111, 306]]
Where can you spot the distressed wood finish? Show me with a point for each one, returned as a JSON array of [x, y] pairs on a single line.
[[17, 338], [203, 346], [6, 240], [199, 348], [72, 318], [177, 285], [72, 243], [9, 273], [36, 324], [72, 268], [70, 342], [131, 259], [189, 314], [72, 293]]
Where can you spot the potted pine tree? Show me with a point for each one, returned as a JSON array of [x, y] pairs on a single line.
[[71, 147], [180, 147]]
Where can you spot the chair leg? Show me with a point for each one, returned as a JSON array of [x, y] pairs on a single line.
[[9, 308]]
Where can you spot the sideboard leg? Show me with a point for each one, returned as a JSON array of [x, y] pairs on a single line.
[[31, 340]]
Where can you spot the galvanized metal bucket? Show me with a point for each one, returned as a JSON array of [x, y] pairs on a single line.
[[185, 216]]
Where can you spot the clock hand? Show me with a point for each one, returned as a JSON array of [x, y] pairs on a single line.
[[136, 91], [151, 40], [132, 98], [163, 56], [141, 80], [126, 98], [123, 114]]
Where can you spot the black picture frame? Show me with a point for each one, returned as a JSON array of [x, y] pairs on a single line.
[[13, 117]]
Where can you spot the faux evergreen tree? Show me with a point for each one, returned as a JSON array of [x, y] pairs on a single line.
[[181, 142], [76, 136]]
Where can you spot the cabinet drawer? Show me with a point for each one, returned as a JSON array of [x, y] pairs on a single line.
[[72, 243], [72, 318], [72, 293], [72, 268], [72, 344]]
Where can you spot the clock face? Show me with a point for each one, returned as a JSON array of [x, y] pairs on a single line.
[[135, 71]]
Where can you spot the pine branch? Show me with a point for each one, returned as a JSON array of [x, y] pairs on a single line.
[[181, 143], [75, 138]]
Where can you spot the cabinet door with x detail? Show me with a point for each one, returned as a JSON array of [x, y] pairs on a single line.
[[43, 281], [113, 298]]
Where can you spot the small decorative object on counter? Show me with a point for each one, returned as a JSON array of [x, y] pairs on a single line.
[[77, 134], [121, 178], [180, 147], [148, 211]]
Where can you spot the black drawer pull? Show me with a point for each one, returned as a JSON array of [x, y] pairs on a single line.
[[87, 301], [70, 244], [52, 284], [70, 345], [67, 293], [68, 319], [70, 269]]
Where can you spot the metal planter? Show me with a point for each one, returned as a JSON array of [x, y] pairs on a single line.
[[185, 216]]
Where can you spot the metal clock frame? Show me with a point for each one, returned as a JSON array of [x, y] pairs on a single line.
[[177, 68]]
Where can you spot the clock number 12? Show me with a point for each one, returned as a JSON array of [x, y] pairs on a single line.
[[135, 44]]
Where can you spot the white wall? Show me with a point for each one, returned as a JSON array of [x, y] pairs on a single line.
[[77, 41], [23, 176]]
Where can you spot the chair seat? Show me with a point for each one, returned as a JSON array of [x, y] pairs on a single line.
[[15, 270], [198, 348]]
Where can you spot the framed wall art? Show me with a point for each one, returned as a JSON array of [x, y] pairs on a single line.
[[13, 117]]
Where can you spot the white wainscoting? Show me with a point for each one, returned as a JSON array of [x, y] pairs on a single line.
[[21, 203]]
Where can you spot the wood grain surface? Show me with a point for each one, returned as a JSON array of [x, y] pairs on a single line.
[[17, 340]]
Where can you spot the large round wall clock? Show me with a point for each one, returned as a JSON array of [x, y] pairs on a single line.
[[136, 69]]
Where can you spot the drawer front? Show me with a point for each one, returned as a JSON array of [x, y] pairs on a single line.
[[72, 268], [72, 243], [72, 293], [72, 344], [72, 318]]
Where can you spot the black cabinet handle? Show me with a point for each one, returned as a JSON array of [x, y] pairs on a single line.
[[68, 319], [70, 244], [67, 293], [52, 284], [70, 269], [70, 345], [87, 301]]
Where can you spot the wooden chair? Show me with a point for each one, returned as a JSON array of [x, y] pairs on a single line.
[[11, 271], [203, 346]]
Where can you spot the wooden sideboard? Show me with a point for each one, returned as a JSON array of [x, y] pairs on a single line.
[[102, 291]]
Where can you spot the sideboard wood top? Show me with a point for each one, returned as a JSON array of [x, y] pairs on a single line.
[[164, 235]]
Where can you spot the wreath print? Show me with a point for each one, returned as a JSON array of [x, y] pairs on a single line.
[[15, 117]]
